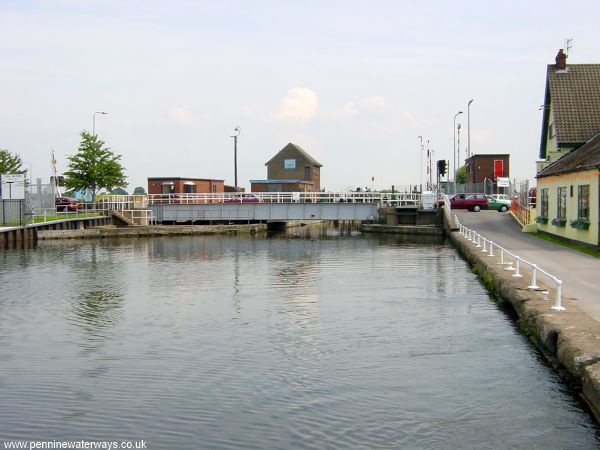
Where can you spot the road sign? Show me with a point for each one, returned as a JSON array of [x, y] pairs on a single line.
[[503, 182]]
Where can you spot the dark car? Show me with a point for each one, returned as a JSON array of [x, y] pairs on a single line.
[[472, 202], [64, 204], [242, 198]]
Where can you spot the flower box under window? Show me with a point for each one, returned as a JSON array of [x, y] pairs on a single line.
[[559, 222], [580, 224], [542, 220]]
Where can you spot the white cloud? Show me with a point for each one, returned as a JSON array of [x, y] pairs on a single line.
[[347, 111], [375, 102], [181, 115], [299, 105]]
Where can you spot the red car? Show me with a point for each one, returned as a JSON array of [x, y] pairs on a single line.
[[64, 204], [242, 198], [472, 202]]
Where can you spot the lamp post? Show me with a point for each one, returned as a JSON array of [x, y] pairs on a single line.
[[458, 151], [469, 128], [237, 130], [94, 122], [421, 163], [454, 142]]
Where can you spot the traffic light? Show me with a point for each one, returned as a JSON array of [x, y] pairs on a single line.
[[441, 165]]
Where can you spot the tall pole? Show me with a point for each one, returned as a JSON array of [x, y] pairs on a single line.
[[454, 143], [94, 122], [469, 128], [458, 131], [421, 163], [235, 136]]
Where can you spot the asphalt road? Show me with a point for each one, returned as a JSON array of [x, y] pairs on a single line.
[[580, 273]]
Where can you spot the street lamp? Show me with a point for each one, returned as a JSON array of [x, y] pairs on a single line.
[[237, 130], [469, 128], [421, 166], [94, 122], [454, 142]]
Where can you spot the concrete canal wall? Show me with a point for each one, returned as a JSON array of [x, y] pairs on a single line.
[[154, 230], [569, 339]]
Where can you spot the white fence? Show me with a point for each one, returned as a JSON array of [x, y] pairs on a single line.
[[512, 262], [385, 199]]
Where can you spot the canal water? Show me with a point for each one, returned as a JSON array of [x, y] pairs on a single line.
[[321, 339]]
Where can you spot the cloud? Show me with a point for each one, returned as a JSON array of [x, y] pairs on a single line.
[[180, 115], [375, 102], [299, 105], [347, 111]]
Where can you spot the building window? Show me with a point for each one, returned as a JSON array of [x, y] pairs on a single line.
[[583, 201], [551, 132], [544, 203], [561, 203], [189, 187], [289, 163]]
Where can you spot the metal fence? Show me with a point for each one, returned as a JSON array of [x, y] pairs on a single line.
[[512, 262], [12, 213]]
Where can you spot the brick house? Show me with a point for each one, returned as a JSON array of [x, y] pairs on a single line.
[[177, 185], [490, 167], [291, 170]]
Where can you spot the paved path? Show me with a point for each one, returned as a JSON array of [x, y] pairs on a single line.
[[580, 273]]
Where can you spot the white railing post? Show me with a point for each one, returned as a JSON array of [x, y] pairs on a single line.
[[491, 248], [533, 284], [484, 249], [557, 304], [517, 274], [478, 241]]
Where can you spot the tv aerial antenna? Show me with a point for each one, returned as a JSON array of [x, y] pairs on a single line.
[[568, 45]]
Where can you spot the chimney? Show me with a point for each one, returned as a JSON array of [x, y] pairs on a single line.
[[561, 60]]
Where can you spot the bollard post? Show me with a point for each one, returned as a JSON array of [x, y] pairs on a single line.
[[517, 274], [501, 263], [557, 304], [533, 284], [491, 248]]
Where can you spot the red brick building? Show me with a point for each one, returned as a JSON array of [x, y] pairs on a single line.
[[177, 185], [490, 167]]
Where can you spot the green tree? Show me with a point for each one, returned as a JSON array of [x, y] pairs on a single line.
[[94, 167], [118, 191], [461, 175], [139, 191], [10, 164]]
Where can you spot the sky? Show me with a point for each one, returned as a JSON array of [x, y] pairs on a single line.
[[353, 83]]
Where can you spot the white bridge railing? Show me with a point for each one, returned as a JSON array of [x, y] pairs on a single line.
[[384, 199], [512, 262]]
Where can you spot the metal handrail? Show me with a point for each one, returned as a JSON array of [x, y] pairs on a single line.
[[514, 265]]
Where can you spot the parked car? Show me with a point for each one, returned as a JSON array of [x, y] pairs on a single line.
[[499, 202], [64, 204], [242, 198], [472, 202]]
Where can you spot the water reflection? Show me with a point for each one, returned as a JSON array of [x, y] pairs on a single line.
[[325, 341]]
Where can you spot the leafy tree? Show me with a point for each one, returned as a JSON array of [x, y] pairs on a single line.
[[94, 167], [139, 191], [118, 191], [10, 164], [461, 175]]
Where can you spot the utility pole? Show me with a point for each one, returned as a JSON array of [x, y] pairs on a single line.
[[237, 130]]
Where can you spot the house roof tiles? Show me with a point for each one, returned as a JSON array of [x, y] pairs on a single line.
[[583, 158], [298, 149], [575, 97]]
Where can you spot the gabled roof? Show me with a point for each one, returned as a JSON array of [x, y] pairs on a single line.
[[585, 157], [574, 94], [298, 149]]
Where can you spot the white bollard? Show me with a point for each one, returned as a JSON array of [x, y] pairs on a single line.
[[533, 284], [491, 248], [478, 241], [484, 242], [557, 304], [517, 274]]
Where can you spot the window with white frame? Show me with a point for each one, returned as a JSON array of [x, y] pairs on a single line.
[[583, 201], [544, 202], [561, 203]]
